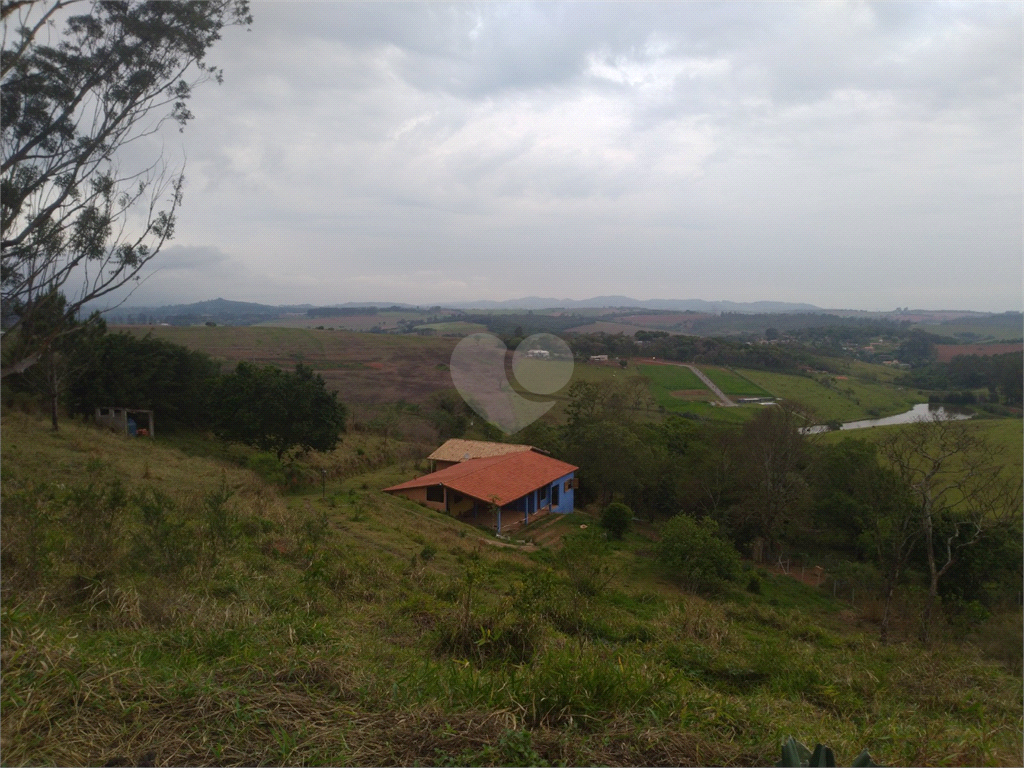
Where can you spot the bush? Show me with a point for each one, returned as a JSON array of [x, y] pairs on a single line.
[[693, 552], [584, 556], [616, 519]]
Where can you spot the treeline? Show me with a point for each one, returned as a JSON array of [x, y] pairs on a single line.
[[82, 367], [704, 350], [513, 328], [1001, 375], [773, 493]]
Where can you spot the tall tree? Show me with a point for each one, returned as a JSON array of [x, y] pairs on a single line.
[[73, 219], [770, 463], [863, 503], [276, 410], [964, 493]]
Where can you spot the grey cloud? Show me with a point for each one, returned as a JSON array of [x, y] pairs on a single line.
[[622, 143]]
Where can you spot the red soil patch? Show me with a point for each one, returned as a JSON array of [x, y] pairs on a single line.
[[947, 352]]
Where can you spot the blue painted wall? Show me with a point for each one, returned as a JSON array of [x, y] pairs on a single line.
[[565, 497]]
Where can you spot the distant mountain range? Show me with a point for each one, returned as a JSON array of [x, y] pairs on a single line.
[[248, 311], [225, 312], [678, 305]]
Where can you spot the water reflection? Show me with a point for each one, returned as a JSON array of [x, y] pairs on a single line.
[[917, 413]]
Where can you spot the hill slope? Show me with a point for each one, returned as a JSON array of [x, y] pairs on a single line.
[[197, 616]]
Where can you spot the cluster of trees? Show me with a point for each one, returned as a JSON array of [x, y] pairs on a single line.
[[1001, 375], [262, 406], [699, 349], [929, 505]]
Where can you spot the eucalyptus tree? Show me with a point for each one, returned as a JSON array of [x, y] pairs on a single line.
[[76, 217]]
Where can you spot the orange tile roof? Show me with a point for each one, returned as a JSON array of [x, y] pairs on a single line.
[[497, 479], [458, 449]]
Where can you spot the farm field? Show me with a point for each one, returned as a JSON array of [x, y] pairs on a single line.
[[364, 368], [673, 386], [731, 383], [326, 631], [383, 320], [458, 327], [839, 401], [946, 352], [995, 329]]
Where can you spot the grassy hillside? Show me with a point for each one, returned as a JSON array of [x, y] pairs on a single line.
[[843, 399], [197, 616]]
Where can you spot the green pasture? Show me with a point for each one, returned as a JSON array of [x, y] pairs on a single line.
[[732, 383], [844, 400], [872, 372]]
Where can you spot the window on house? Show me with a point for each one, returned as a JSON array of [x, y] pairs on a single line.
[[543, 494], [567, 486], [435, 493]]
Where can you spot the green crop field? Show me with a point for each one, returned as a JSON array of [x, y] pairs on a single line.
[[666, 380], [732, 383], [673, 377]]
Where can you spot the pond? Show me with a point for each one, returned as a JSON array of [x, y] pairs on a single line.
[[917, 413]]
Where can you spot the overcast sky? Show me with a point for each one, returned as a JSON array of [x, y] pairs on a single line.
[[849, 155]]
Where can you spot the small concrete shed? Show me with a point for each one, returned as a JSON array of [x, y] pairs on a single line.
[[122, 419]]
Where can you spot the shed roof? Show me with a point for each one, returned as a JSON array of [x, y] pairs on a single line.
[[458, 449], [497, 479]]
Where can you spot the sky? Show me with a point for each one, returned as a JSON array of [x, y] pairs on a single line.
[[848, 155]]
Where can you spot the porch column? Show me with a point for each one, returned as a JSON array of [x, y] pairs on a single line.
[[499, 519]]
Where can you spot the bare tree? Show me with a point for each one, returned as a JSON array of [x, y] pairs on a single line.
[[74, 219], [964, 493]]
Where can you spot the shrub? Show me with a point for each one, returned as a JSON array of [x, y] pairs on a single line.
[[693, 552], [584, 556], [616, 519]]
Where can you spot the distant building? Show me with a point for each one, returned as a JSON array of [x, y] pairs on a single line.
[[500, 492], [540, 354], [599, 358]]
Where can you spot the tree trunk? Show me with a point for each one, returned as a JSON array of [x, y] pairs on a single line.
[[929, 606], [53, 411], [884, 630]]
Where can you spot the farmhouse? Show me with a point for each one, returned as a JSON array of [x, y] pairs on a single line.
[[500, 492], [456, 450]]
